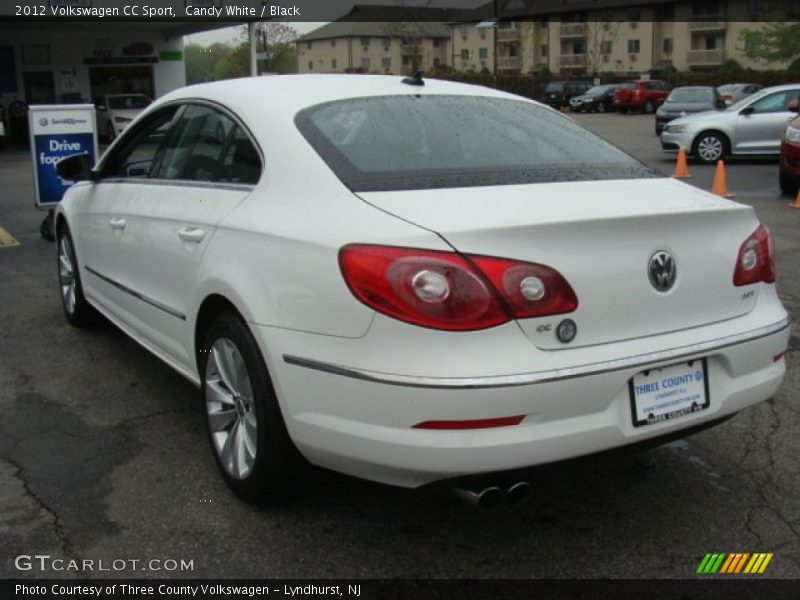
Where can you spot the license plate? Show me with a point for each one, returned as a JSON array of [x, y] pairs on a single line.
[[669, 392]]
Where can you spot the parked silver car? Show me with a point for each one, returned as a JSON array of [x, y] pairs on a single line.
[[752, 126], [733, 92]]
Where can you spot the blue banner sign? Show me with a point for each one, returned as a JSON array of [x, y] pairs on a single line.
[[58, 131]]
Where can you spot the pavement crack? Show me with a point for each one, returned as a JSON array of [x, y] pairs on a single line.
[[67, 548]]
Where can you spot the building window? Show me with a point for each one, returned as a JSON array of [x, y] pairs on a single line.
[[715, 42], [606, 47], [667, 45], [333, 63], [365, 41], [544, 50], [387, 41], [308, 45], [483, 53], [365, 63], [464, 31], [386, 63], [633, 46], [437, 42], [333, 43], [513, 50], [311, 65], [465, 54], [437, 62]]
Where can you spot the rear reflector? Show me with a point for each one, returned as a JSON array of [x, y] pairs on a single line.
[[472, 424], [777, 357]]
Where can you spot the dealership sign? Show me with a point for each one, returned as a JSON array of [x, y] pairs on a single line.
[[58, 131]]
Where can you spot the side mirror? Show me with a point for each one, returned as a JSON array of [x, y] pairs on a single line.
[[747, 111], [793, 106], [77, 167]]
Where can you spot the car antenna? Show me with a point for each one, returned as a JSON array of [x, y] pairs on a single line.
[[415, 79]]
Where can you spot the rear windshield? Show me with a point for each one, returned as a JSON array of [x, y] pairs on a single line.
[[597, 90], [554, 87], [125, 102], [628, 85], [691, 95], [436, 141]]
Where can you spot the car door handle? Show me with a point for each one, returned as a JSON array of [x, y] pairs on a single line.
[[117, 223], [191, 234]]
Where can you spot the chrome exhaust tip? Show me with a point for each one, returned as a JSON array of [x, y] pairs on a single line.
[[519, 492], [484, 498]]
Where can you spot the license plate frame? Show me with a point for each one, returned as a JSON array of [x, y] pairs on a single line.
[[667, 392]]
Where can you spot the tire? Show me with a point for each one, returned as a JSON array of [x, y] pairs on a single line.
[[77, 310], [600, 107], [788, 183], [248, 436], [649, 108], [709, 147]]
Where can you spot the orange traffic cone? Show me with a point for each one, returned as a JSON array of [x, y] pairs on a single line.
[[681, 169], [796, 200], [720, 187]]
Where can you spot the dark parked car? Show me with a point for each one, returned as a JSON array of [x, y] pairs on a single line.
[[558, 93], [600, 98], [683, 101]]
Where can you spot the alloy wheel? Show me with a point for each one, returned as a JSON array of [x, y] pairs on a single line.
[[231, 409], [66, 274], [710, 148]]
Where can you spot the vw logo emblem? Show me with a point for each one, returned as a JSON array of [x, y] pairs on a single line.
[[662, 271], [43, 121]]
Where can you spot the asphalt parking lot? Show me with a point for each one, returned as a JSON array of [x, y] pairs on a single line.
[[104, 456]]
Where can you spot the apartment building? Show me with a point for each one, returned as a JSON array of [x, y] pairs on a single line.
[[369, 47], [551, 34], [687, 35]]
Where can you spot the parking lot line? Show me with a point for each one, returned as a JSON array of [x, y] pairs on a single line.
[[7, 240]]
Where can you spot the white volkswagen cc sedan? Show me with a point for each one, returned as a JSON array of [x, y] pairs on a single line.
[[412, 280]]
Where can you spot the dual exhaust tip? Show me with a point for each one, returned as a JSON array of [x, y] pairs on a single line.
[[490, 496]]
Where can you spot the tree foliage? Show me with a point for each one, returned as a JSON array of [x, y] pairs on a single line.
[[226, 61], [773, 42]]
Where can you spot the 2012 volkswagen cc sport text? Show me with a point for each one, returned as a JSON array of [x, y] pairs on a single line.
[[412, 280]]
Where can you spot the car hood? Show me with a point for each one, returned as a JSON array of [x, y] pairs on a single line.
[[705, 116]]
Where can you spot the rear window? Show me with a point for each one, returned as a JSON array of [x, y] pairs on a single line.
[[691, 95], [128, 102], [436, 141], [554, 87]]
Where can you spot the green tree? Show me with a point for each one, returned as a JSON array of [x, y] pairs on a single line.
[[773, 42]]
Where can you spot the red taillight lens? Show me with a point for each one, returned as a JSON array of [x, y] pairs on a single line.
[[444, 290], [471, 424], [530, 290], [756, 260]]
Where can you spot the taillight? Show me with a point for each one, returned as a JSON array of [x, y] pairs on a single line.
[[756, 260], [445, 290]]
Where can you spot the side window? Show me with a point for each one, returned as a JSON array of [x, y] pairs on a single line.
[[193, 152], [241, 163], [774, 102], [137, 152]]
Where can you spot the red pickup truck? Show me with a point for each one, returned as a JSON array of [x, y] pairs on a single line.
[[641, 94]]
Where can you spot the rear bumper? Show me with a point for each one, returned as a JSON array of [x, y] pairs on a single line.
[[360, 420]]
